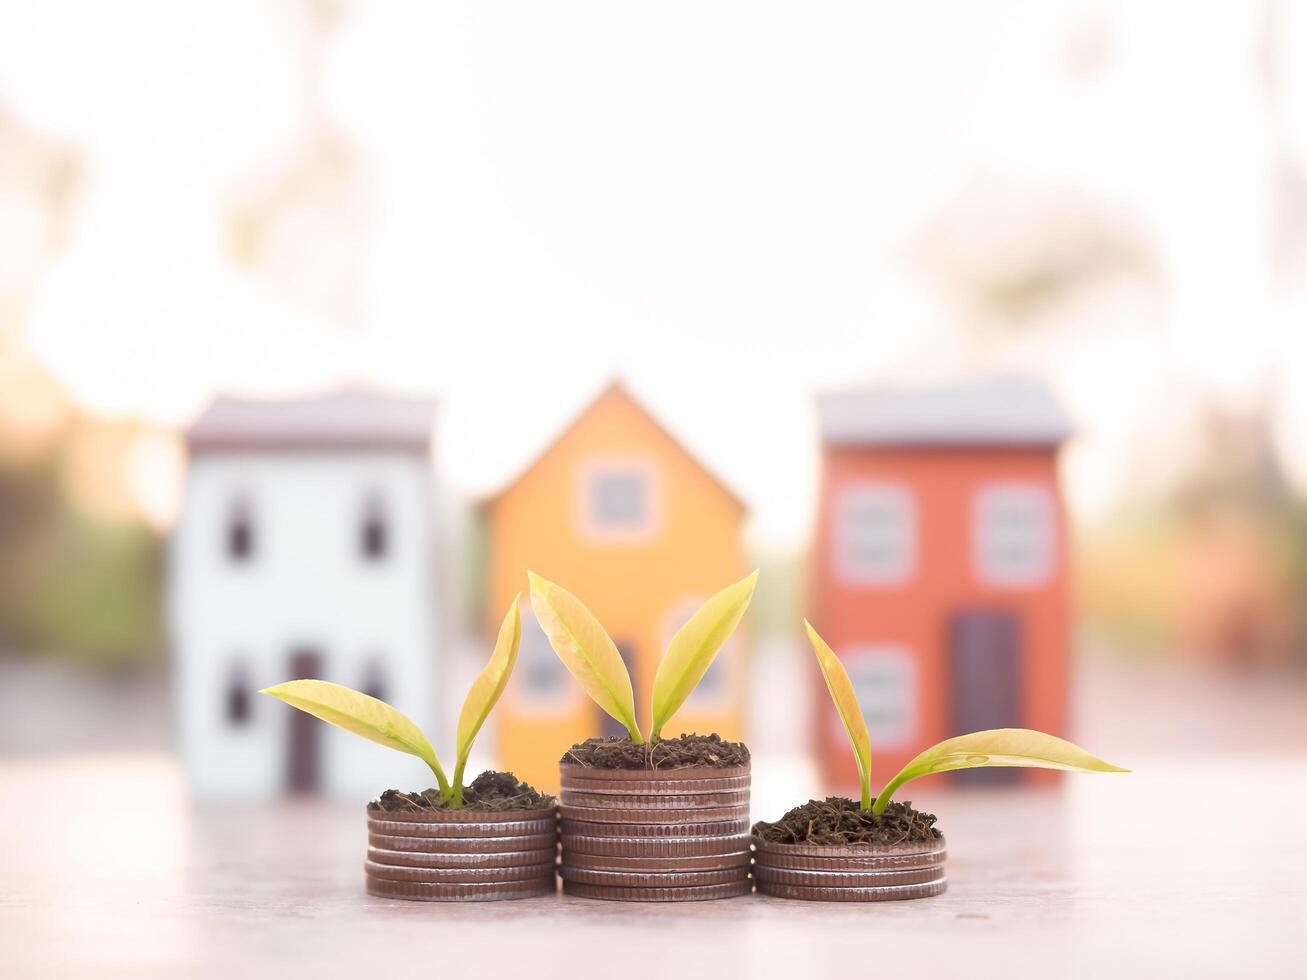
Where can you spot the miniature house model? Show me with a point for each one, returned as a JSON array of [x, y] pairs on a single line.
[[940, 566], [304, 549], [617, 512]]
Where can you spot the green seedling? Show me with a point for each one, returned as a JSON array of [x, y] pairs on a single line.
[[590, 654], [377, 721], [996, 747]]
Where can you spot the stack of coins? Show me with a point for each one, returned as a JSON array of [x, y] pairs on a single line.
[[462, 855], [678, 835], [850, 873]]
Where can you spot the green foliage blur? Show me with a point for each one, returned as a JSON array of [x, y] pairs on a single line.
[[74, 587]]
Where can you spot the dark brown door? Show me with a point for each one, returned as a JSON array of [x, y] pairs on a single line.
[[303, 768], [609, 726], [985, 666]]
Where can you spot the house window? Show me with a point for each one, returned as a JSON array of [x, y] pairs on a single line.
[[617, 500], [711, 692], [884, 678], [240, 532], [236, 697], [1012, 534], [374, 532], [875, 534], [374, 680], [542, 680]]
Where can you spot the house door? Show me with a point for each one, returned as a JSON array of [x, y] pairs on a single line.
[[609, 726], [304, 750], [985, 669]]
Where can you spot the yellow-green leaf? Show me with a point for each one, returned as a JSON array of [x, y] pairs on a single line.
[[846, 704], [997, 747], [487, 687], [694, 647], [361, 714], [586, 649]]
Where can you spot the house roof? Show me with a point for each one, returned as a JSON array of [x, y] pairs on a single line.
[[616, 388], [980, 412], [344, 419]]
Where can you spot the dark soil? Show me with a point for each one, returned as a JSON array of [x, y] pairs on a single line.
[[837, 820], [685, 752], [491, 791]]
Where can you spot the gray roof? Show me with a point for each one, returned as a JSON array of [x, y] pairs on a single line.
[[346, 419], [991, 411]]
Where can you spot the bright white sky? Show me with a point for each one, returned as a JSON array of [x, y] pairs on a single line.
[[712, 199]]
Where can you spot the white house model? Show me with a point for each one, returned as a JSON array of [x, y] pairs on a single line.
[[305, 548]]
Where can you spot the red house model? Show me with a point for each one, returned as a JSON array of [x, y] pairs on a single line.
[[940, 571]]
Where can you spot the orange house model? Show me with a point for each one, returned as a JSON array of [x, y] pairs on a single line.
[[940, 571], [617, 512]]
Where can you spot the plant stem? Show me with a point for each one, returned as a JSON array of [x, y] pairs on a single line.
[[441, 782], [883, 799], [456, 787], [864, 780]]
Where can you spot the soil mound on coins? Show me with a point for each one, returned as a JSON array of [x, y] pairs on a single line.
[[489, 792], [684, 752], [837, 820]]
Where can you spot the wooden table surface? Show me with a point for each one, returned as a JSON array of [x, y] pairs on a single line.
[[1186, 868]]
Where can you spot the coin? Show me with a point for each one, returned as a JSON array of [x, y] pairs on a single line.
[[846, 879], [462, 815], [486, 859], [646, 847], [504, 828], [707, 828], [680, 862], [424, 892], [887, 862], [654, 801], [693, 893], [914, 854], [571, 772], [889, 893], [463, 845], [468, 876], [646, 879], [674, 787], [620, 816], [635, 784]]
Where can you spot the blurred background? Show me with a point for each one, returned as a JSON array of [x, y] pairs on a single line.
[[728, 207]]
